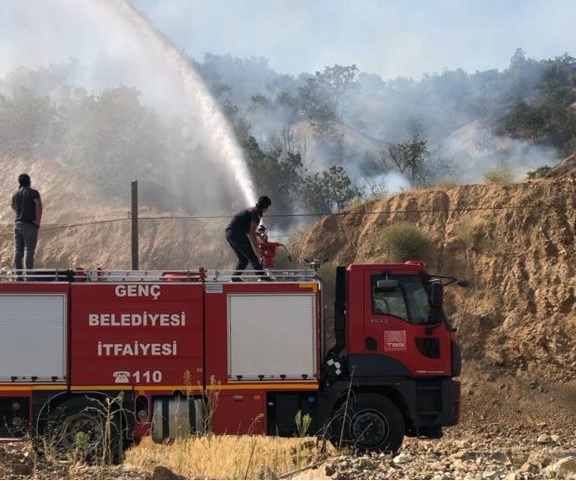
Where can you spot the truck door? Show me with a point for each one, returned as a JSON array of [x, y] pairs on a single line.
[[397, 324]]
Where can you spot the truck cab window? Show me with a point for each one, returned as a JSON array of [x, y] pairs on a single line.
[[408, 301], [418, 301], [389, 303]]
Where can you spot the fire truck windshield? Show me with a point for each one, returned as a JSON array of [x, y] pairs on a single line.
[[408, 300]]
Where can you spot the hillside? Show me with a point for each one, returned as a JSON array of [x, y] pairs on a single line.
[[514, 242], [363, 154], [516, 321]]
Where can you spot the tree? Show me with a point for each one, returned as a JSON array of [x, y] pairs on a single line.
[[408, 157], [113, 139], [315, 102], [27, 120], [277, 171], [328, 191], [549, 115], [288, 102], [526, 121], [338, 81]]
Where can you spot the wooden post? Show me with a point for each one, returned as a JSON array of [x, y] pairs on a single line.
[[134, 223]]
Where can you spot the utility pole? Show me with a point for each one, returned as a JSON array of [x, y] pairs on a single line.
[[134, 223]]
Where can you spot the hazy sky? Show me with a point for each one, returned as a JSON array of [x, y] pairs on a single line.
[[387, 37]]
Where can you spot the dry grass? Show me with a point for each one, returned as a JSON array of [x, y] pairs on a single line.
[[228, 457]]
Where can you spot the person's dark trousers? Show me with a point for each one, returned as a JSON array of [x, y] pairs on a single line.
[[25, 240], [243, 249]]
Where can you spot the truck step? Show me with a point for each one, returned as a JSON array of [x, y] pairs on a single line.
[[428, 387]]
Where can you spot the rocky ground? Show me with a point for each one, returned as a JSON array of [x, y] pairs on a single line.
[[512, 428], [460, 455], [464, 457]]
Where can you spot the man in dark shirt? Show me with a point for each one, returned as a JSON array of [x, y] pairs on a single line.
[[27, 205], [241, 235]]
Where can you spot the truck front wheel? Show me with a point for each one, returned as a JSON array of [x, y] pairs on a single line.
[[370, 423]]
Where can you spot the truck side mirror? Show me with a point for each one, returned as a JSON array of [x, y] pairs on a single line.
[[436, 295], [436, 313]]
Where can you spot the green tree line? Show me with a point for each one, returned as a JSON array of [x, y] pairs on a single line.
[[115, 137]]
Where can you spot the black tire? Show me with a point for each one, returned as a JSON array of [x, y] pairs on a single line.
[[372, 422], [83, 419]]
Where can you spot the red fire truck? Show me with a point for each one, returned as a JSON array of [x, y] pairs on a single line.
[[177, 353]]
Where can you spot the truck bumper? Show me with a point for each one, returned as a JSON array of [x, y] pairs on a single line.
[[432, 404], [450, 402]]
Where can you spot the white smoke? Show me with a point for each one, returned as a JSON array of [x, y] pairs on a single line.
[[113, 44], [388, 183], [479, 151]]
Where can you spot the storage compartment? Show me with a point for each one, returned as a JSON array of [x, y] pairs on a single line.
[[33, 340], [272, 337]]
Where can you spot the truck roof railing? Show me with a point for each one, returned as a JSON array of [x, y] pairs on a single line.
[[155, 275]]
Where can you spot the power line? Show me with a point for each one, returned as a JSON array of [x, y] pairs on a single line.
[[84, 224], [309, 215]]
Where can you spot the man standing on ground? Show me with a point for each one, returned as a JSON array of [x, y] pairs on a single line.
[[241, 235], [27, 204]]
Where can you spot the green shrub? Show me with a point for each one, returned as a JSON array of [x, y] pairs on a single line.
[[499, 175], [539, 172], [404, 241]]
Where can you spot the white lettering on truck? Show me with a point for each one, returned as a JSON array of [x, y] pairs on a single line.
[[137, 348], [138, 290], [144, 319]]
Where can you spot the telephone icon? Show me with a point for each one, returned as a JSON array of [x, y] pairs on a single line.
[[121, 377]]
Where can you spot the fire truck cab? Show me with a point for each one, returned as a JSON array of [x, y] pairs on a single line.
[[168, 354]]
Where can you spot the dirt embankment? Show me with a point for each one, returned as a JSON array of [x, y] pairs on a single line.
[[514, 242], [516, 322], [83, 228]]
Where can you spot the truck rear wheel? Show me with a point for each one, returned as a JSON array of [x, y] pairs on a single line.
[[371, 423], [80, 425]]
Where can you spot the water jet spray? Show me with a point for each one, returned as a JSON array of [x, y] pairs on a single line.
[[104, 45], [196, 92]]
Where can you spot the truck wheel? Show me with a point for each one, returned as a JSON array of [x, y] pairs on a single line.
[[372, 423], [79, 425]]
